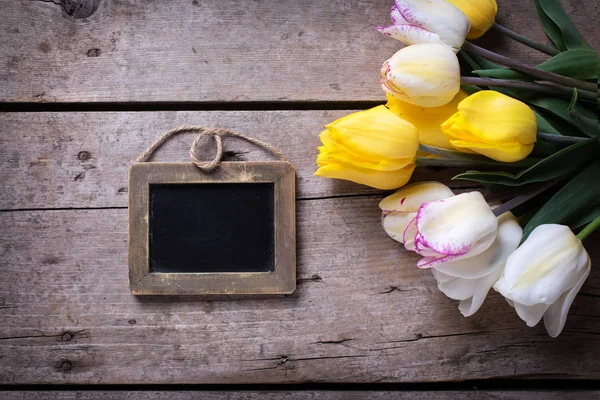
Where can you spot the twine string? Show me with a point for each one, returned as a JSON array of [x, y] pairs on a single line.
[[203, 131]]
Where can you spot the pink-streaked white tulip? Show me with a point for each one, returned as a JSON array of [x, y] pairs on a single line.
[[427, 75], [543, 276], [427, 21], [470, 279], [398, 209], [455, 228]]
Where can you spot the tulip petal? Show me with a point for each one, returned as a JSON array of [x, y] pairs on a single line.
[[396, 16], [328, 157], [509, 152], [374, 134], [508, 237], [482, 15], [551, 261], [384, 180], [484, 269], [427, 75], [556, 316], [453, 287], [394, 223], [492, 124], [408, 237], [438, 16], [457, 227], [410, 197], [531, 314], [428, 121], [411, 34], [471, 305]]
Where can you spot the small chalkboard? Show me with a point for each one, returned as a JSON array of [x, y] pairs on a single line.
[[228, 232]]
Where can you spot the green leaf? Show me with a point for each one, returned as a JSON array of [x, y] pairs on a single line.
[[563, 162], [577, 115], [577, 64], [571, 37], [581, 193], [551, 29], [587, 215], [582, 117], [544, 149], [543, 124]]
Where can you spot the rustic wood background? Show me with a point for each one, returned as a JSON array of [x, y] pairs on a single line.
[[278, 71]]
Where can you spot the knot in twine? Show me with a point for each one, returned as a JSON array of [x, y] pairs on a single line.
[[203, 131]]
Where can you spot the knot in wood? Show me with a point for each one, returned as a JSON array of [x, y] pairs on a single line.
[[80, 9]]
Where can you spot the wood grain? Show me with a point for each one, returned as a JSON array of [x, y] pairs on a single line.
[[213, 51], [61, 160], [305, 395], [362, 312]]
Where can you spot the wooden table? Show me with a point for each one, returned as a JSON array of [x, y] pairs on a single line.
[[88, 87]]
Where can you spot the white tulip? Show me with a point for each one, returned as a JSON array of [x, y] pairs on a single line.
[[470, 279], [543, 276], [428, 21], [398, 209], [459, 227], [427, 75]]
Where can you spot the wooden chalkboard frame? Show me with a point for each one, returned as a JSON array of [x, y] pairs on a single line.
[[282, 280]]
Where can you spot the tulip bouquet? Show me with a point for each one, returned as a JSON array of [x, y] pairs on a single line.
[[527, 134]]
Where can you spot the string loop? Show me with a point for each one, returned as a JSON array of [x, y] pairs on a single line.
[[203, 131]]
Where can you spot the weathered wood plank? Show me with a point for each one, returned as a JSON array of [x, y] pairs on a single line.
[[304, 395], [362, 313], [59, 160], [209, 50]]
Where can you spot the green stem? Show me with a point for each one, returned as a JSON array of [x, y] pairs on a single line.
[[528, 69], [454, 158], [548, 137], [526, 41], [532, 86], [523, 197], [466, 163], [589, 229]]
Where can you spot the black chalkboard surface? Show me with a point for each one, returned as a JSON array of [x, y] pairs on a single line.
[[218, 227]]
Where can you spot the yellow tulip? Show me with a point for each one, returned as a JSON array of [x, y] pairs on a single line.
[[427, 75], [427, 120], [492, 124], [373, 147], [481, 13]]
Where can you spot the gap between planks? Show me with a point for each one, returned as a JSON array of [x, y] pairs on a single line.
[[188, 106], [341, 196]]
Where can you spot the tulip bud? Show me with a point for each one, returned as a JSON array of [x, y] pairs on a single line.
[[427, 21], [373, 147], [401, 207], [427, 75], [492, 124], [481, 13], [428, 121], [451, 229], [470, 279], [543, 276]]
